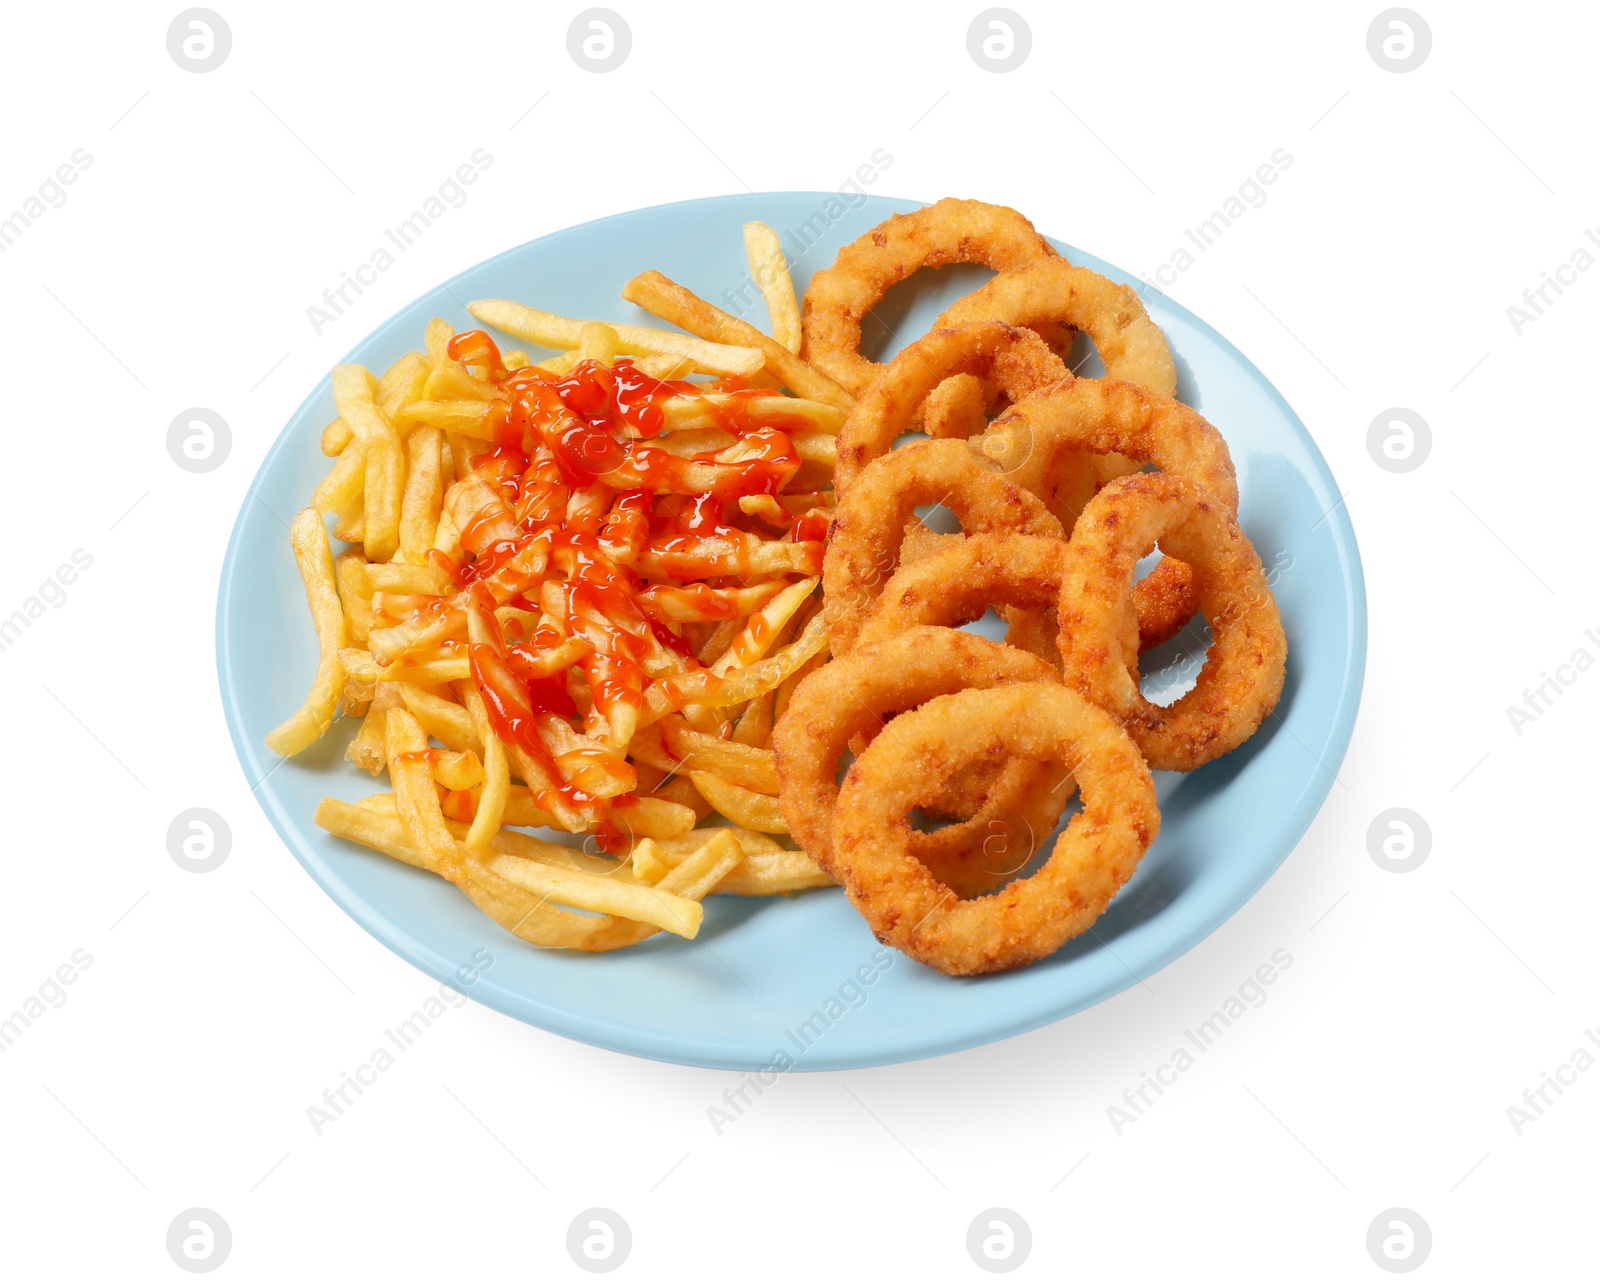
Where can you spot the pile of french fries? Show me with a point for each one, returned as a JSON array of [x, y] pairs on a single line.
[[406, 636]]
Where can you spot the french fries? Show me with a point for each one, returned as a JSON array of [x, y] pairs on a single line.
[[559, 643], [743, 806], [665, 298], [309, 538], [770, 271], [383, 483], [599, 894], [742, 764], [548, 330]]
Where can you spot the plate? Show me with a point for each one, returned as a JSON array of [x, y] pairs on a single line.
[[801, 983]]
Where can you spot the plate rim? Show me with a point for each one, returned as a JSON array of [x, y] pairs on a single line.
[[595, 1028]]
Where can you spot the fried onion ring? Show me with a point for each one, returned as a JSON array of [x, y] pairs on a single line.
[[1132, 347], [1030, 918], [854, 696], [1040, 442], [968, 575], [1016, 359], [948, 231], [869, 522], [1051, 291], [1242, 676]]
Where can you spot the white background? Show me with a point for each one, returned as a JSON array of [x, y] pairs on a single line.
[[1419, 1006]]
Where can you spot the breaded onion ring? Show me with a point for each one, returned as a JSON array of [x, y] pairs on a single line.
[[1242, 676], [869, 522], [1039, 443], [948, 231], [1132, 347], [854, 696], [968, 575], [1016, 359], [1107, 416], [1051, 291], [1028, 919]]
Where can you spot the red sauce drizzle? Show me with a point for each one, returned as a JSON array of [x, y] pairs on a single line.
[[554, 438]]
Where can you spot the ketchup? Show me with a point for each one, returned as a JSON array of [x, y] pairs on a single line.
[[579, 493]]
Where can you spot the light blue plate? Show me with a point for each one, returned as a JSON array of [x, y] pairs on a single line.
[[771, 976]]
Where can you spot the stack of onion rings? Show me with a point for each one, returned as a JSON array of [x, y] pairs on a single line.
[[996, 737]]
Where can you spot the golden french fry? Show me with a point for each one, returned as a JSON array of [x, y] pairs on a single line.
[[769, 868], [791, 413], [816, 447], [755, 723], [654, 817], [366, 749], [745, 807], [416, 800], [436, 339], [376, 827], [718, 640], [467, 417], [767, 508], [692, 443], [750, 555], [352, 524], [597, 341], [403, 381], [456, 769], [664, 785], [670, 301], [424, 493], [671, 604], [335, 437], [603, 895], [384, 485], [486, 820], [659, 365], [340, 490], [548, 330], [764, 627], [443, 719], [562, 362], [363, 666], [648, 862], [369, 750], [398, 577], [451, 381], [742, 764], [309, 538], [698, 875], [526, 915], [667, 365], [770, 270], [355, 593]]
